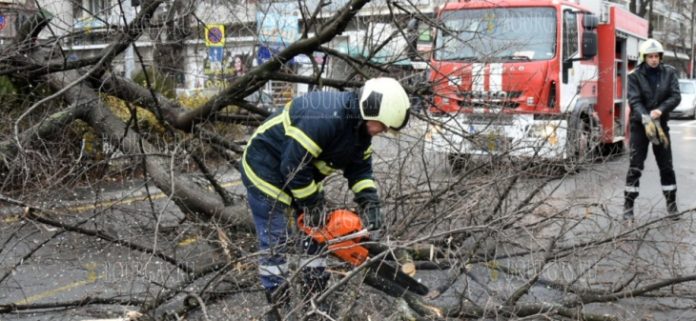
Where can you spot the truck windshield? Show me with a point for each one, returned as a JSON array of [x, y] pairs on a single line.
[[497, 34]]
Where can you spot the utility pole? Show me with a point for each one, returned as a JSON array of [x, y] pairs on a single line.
[[691, 37], [650, 20], [129, 55]]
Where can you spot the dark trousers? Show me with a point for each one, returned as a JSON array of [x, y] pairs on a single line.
[[639, 151], [273, 230]]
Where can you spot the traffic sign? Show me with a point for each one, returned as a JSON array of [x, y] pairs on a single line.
[[215, 35], [215, 54], [3, 22]]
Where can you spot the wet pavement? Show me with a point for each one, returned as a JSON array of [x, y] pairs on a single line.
[[72, 266]]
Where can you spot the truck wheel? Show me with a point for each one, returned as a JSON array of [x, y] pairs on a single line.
[[584, 142], [611, 151]]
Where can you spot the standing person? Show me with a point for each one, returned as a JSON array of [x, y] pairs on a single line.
[[653, 91], [294, 150]]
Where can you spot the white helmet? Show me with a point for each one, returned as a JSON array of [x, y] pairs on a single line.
[[650, 46], [384, 100]]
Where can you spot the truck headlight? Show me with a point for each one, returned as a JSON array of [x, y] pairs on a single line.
[[544, 131], [432, 131]]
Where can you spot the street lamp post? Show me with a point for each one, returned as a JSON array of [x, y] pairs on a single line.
[[691, 36], [129, 56]]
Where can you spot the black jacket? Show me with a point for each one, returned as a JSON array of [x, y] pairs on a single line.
[[297, 147], [641, 97]]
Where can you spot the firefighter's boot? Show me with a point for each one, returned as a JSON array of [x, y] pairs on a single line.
[[629, 200], [279, 300], [671, 198], [315, 280]]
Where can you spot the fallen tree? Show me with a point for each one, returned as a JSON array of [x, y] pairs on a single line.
[[488, 240]]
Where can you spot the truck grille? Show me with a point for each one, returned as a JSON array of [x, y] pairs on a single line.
[[491, 142], [495, 100], [488, 104], [489, 119], [490, 95]]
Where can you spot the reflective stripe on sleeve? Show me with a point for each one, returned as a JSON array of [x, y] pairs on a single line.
[[667, 188], [367, 153], [363, 184], [306, 191], [323, 168]]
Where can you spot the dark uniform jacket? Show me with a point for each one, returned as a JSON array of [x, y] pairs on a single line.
[[297, 147], [642, 98]]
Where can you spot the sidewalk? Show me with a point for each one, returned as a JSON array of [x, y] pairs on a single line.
[[108, 193]]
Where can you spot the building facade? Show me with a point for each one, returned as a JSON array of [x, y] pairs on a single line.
[[208, 43], [212, 42]]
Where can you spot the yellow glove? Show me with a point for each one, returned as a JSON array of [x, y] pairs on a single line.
[[650, 129], [661, 134]]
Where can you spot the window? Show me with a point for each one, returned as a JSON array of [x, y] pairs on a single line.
[[570, 34], [503, 34], [657, 21], [90, 14], [94, 8]]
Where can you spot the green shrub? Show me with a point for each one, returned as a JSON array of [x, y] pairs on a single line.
[[161, 83], [6, 86], [8, 93]]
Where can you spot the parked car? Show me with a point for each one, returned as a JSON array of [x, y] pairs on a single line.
[[687, 106], [262, 99]]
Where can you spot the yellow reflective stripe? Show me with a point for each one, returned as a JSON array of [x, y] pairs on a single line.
[[299, 135], [363, 184], [321, 187], [306, 191], [265, 187], [265, 126], [323, 168], [368, 153]]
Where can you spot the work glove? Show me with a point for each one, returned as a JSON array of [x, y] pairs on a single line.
[[315, 213], [661, 134], [650, 129], [370, 209]]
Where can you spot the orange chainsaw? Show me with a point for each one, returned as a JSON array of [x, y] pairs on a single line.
[[343, 233]]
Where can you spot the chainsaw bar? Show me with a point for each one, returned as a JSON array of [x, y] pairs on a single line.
[[387, 271]]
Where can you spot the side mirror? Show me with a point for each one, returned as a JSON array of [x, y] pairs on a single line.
[[590, 21], [589, 44], [412, 39], [412, 25]]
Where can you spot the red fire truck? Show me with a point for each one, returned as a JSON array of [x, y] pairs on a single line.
[[532, 78]]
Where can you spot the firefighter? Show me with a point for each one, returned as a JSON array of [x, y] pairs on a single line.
[[294, 150], [653, 91]]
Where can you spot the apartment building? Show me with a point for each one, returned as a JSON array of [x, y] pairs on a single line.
[[219, 40], [671, 23]]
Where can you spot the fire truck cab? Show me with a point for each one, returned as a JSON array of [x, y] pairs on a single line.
[[531, 78]]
